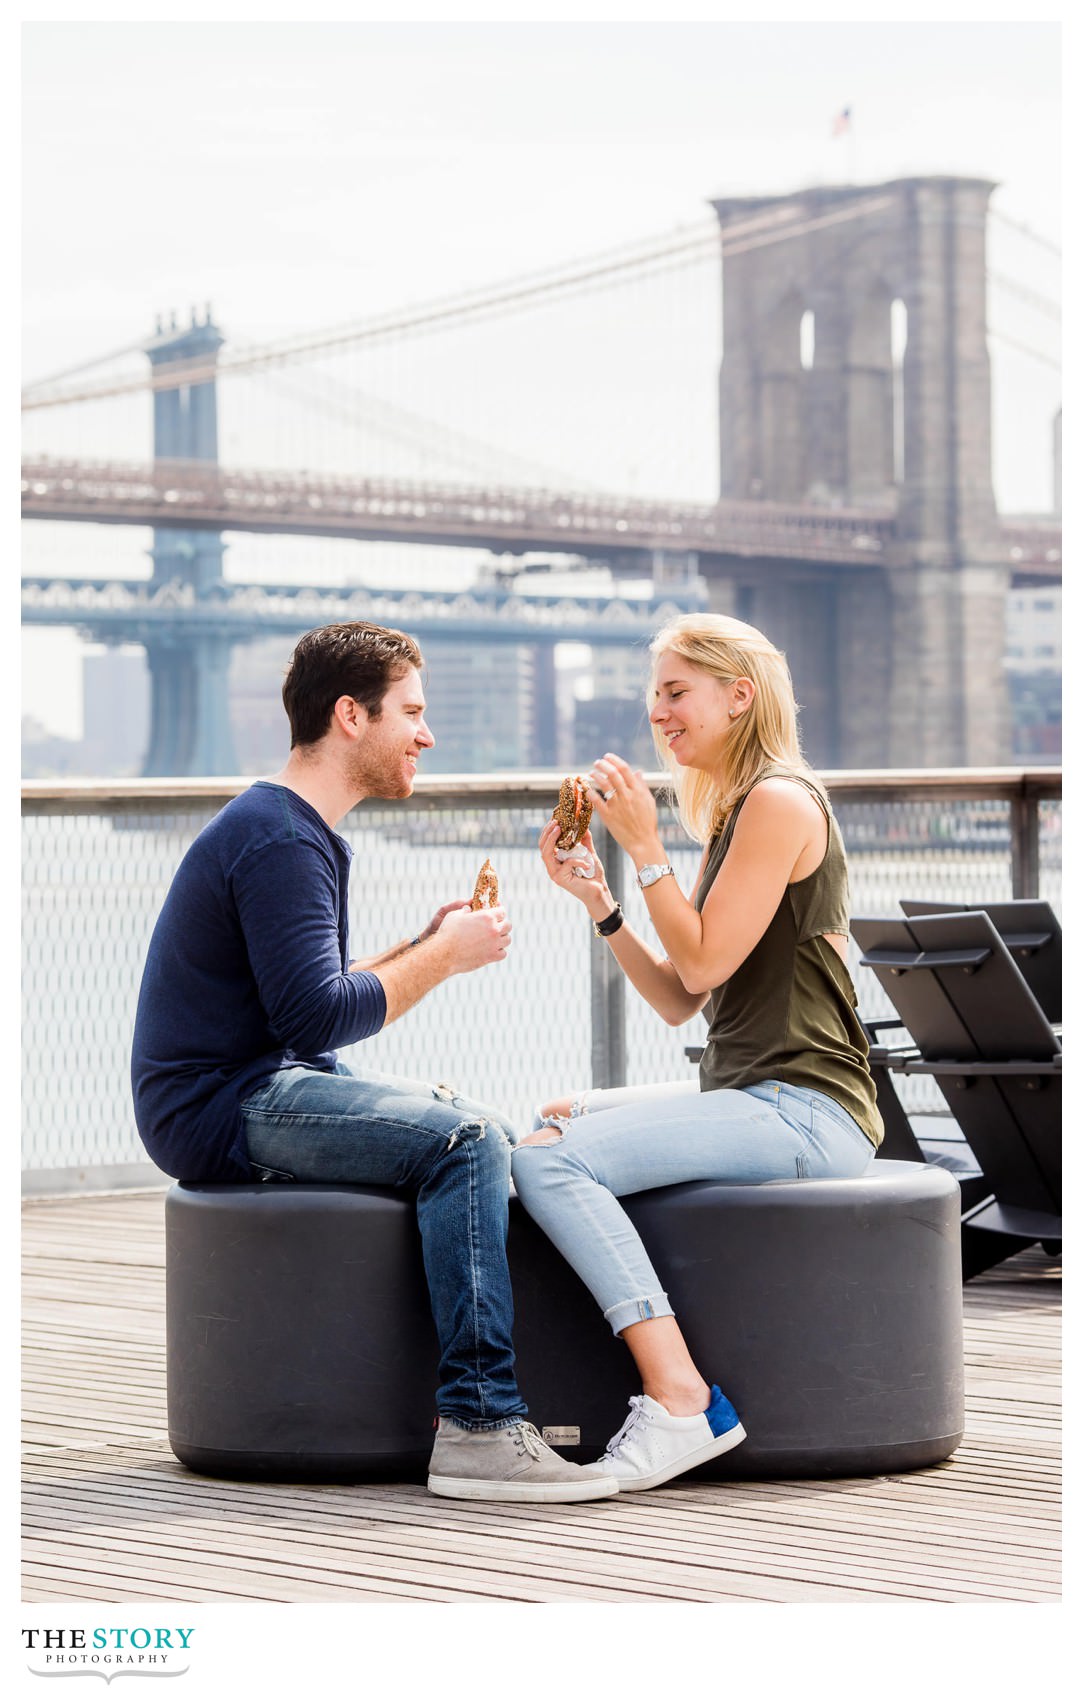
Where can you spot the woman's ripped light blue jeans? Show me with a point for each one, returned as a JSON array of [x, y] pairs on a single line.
[[632, 1138]]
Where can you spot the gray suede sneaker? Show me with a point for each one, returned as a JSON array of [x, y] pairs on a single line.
[[510, 1463]]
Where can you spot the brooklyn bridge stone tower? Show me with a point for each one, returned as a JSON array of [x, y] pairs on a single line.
[[855, 373]]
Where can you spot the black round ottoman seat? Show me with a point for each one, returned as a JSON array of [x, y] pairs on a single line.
[[301, 1346]]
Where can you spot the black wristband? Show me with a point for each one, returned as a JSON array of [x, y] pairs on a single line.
[[612, 924]]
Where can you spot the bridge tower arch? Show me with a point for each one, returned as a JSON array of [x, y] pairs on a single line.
[[851, 254]]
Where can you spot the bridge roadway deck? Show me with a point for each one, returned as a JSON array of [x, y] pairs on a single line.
[[199, 495], [195, 495], [137, 610], [110, 1514]]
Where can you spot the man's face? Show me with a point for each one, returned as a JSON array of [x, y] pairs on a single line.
[[384, 761]]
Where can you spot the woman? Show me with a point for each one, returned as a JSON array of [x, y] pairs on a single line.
[[784, 1088]]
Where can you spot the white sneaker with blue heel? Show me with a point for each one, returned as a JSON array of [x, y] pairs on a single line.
[[653, 1446]]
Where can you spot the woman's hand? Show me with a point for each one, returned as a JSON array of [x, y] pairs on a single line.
[[626, 808], [590, 888]]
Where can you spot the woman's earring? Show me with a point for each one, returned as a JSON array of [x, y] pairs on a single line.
[[733, 714]]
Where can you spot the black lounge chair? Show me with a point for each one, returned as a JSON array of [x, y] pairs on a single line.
[[1032, 934], [979, 1031], [917, 1138]]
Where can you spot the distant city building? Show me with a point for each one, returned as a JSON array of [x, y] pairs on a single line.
[[613, 723], [490, 707], [116, 723], [1032, 663], [261, 732], [620, 673], [487, 705], [1037, 734], [116, 711], [610, 710], [1034, 631], [46, 755]]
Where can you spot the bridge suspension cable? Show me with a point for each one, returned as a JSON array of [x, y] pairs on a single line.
[[355, 407], [1025, 348], [83, 366], [1041, 303], [1024, 230], [689, 245]]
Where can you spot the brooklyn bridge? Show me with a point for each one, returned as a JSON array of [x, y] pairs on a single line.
[[855, 520]]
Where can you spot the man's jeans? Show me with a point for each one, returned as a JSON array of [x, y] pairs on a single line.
[[629, 1138], [454, 1156]]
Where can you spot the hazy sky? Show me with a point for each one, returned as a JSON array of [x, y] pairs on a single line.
[[300, 175]]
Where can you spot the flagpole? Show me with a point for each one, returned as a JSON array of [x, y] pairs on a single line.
[[844, 126]]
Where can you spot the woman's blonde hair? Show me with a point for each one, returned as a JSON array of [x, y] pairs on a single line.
[[764, 737]]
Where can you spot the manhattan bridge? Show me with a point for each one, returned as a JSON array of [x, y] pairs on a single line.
[[852, 514]]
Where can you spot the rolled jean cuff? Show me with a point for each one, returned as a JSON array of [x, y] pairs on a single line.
[[627, 1311], [483, 1428]]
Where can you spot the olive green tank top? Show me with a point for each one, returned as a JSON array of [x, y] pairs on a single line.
[[789, 1012]]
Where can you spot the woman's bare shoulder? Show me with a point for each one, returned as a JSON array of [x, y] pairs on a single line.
[[780, 795]]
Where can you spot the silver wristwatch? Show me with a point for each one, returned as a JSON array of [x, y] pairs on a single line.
[[653, 871]]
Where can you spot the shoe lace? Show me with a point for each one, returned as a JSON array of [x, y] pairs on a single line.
[[637, 1417], [527, 1439]]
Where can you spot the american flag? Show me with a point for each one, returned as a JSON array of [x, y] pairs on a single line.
[[842, 122]]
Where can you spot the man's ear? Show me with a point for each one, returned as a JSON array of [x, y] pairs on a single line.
[[348, 716]]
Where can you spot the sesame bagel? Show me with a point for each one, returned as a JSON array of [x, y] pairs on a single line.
[[573, 811]]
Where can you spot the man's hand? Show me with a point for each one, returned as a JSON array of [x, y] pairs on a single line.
[[474, 937], [464, 940], [441, 914], [399, 950]]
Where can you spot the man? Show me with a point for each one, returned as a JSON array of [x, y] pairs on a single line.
[[247, 992]]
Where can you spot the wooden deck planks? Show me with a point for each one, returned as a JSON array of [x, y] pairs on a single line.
[[111, 1515]]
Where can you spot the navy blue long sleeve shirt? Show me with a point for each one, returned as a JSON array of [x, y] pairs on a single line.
[[246, 974]]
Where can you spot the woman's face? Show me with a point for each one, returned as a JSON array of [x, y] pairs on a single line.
[[692, 711]]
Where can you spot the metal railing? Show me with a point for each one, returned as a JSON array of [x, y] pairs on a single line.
[[99, 857]]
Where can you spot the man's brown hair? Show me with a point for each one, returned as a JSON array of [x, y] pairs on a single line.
[[354, 659]]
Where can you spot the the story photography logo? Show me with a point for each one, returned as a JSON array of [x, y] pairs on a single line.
[[108, 1650]]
